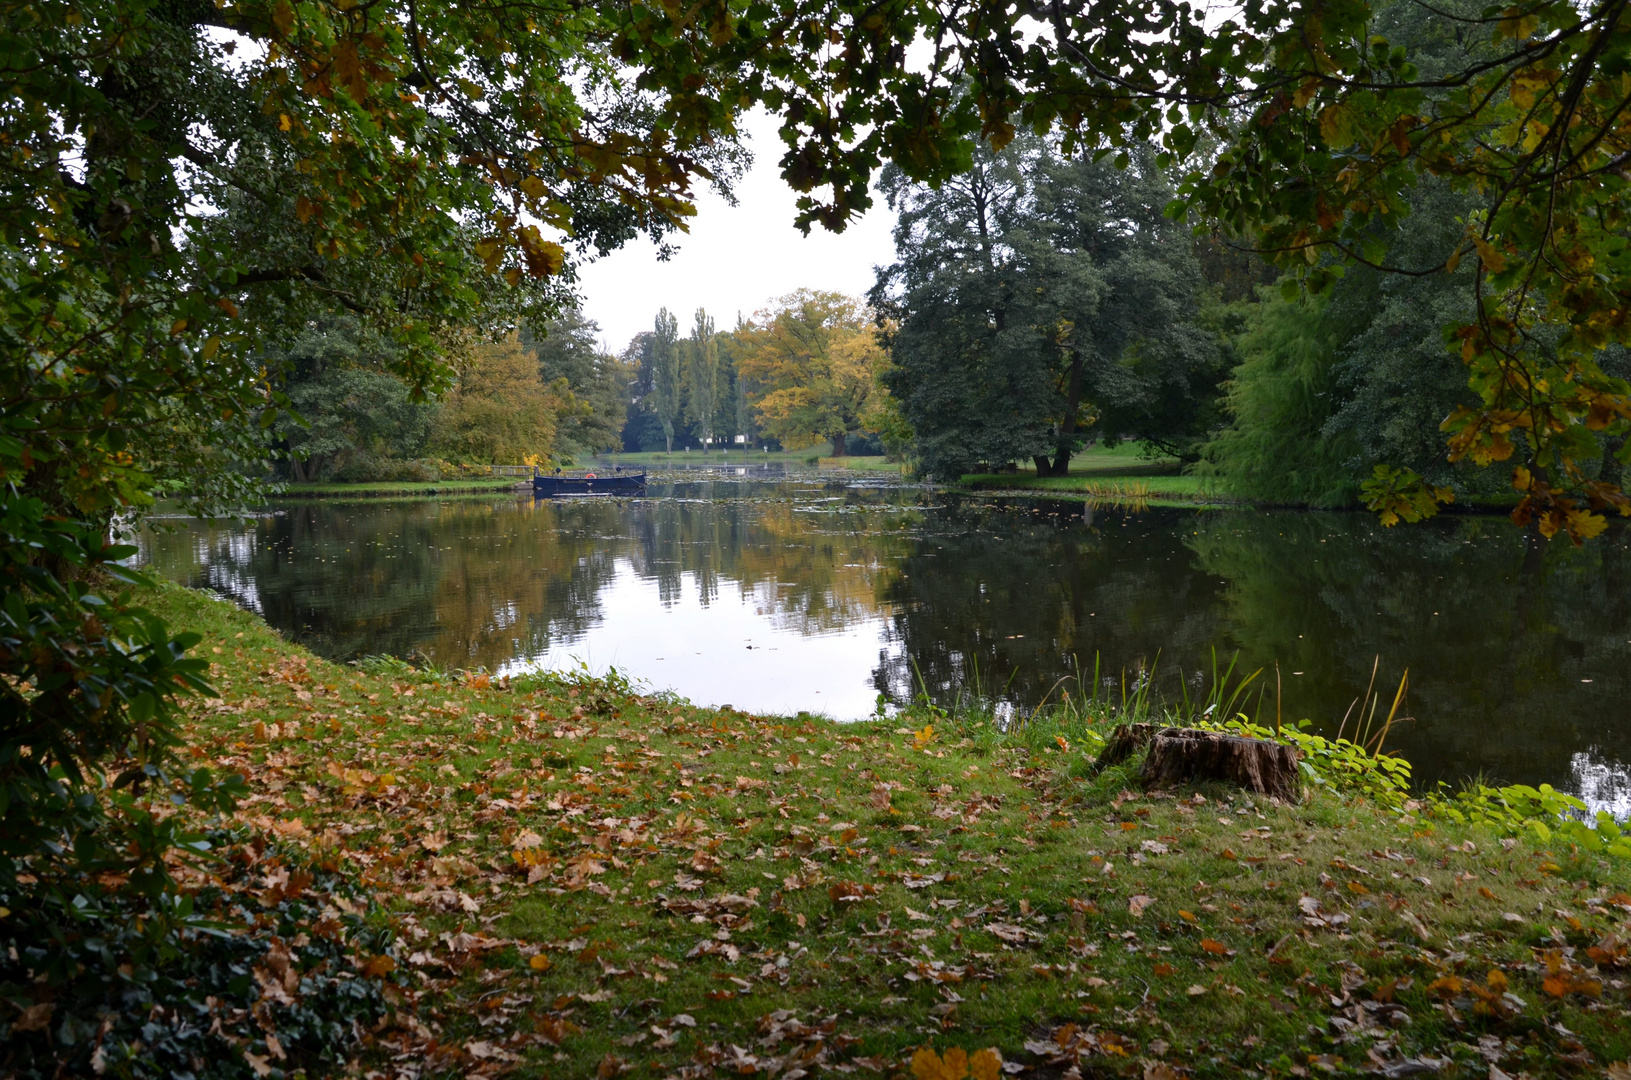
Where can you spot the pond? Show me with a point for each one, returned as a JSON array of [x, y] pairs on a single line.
[[840, 596]]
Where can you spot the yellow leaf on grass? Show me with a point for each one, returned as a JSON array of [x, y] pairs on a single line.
[[1216, 948], [539, 963], [928, 1065], [987, 1064], [957, 1064]]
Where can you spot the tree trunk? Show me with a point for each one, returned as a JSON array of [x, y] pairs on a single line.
[[1124, 742], [839, 449], [1186, 755], [1044, 467], [1073, 404]]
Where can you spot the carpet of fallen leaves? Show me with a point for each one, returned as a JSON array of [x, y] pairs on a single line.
[[591, 881]]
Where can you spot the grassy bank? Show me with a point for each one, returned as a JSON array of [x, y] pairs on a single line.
[[1104, 486], [1110, 473], [590, 881]]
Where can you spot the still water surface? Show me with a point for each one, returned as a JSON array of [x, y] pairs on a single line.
[[776, 595]]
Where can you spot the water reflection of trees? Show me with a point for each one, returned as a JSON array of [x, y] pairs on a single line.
[[1498, 636], [1022, 596], [462, 582], [483, 582]]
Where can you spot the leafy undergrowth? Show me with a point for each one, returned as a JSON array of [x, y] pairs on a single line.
[[588, 881], [261, 964]]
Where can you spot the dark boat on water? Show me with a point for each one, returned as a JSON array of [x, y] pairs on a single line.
[[588, 482]]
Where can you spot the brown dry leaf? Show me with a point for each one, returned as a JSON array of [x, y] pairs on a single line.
[[1137, 904], [36, 1017], [1213, 946], [1618, 1070]]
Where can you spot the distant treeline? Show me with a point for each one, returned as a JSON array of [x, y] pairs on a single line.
[[804, 371]]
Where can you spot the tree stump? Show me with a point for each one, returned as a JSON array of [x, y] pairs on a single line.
[[1125, 741], [1185, 755]]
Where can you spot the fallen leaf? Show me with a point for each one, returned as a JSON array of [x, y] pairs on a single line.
[[1137, 904], [35, 1018]]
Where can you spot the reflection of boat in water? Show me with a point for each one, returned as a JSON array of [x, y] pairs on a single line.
[[588, 482]]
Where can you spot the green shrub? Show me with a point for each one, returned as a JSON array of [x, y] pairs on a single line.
[[1544, 812], [265, 966]]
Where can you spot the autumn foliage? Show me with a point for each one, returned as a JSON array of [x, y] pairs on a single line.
[[811, 361]]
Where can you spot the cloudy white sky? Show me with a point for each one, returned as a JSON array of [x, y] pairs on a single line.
[[734, 258]]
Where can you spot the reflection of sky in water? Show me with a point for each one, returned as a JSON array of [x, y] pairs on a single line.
[[1601, 785], [698, 647]]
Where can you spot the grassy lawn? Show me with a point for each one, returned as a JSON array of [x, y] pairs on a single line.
[[1115, 472], [1100, 485], [878, 464], [592, 881]]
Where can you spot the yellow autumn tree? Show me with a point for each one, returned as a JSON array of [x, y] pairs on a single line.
[[809, 363], [500, 412]]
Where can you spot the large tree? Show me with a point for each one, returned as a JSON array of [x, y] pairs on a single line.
[[702, 376], [667, 385], [593, 384], [351, 412], [1041, 302], [810, 362], [499, 410]]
